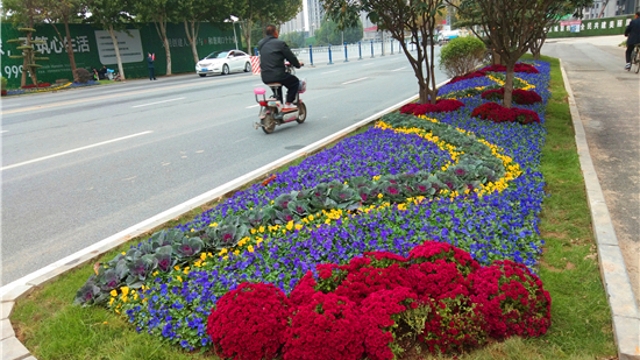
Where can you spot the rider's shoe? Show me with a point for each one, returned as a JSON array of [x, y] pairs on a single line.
[[303, 86], [628, 66], [288, 107]]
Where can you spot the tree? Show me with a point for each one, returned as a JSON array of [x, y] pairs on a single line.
[[511, 28], [412, 19], [24, 15], [65, 12], [161, 13], [261, 13], [111, 15], [29, 54], [294, 39], [329, 33], [193, 12]]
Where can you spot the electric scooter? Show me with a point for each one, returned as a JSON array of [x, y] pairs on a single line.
[[271, 114]]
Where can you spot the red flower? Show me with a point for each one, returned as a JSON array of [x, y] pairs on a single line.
[[472, 75], [258, 311], [432, 250], [519, 67], [327, 327], [443, 105], [498, 113], [385, 314], [522, 97], [512, 300]]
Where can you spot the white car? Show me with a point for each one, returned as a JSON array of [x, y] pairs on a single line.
[[224, 62]]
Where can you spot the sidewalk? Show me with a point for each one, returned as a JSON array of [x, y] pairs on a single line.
[[605, 101]]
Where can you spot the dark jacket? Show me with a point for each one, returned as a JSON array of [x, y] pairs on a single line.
[[632, 32], [273, 52]]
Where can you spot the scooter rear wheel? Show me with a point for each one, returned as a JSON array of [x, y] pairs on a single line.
[[302, 113], [268, 124]]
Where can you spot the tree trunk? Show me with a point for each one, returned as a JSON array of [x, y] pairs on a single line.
[[191, 29], [116, 47], [29, 57], [508, 84], [72, 58], [161, 27], [246, 32]]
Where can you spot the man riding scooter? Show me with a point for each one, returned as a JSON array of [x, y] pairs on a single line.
[[273, 53]]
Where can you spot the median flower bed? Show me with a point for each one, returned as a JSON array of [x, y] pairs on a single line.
[[448, 177]]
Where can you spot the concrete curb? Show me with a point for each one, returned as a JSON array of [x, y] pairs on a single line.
[[13, 349], [624, 310]]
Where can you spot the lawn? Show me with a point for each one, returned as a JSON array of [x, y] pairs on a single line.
[[528, 206]]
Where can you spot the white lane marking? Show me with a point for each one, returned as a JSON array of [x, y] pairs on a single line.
[[243, 139], [368, 64], [158, 102], [4, 131], [74, 150], [252, 106], [352, 81], [402, 68], [329, 72]]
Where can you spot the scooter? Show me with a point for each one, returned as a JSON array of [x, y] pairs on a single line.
[[271, 114]]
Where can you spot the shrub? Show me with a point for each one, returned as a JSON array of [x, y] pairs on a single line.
[[443, 105], [328, 327], [4, 83], [472, 75], [455, 325], [498, 113], [258, 312], [511, 299], [519, 67], [83, 75], [522, 97], [461, 55], [391, 318]]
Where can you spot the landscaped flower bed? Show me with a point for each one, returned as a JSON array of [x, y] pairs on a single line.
[[450, 177]]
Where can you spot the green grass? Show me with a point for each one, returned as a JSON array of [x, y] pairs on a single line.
[[52, 328]]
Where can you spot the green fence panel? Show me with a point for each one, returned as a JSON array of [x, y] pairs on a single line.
[[592, 27], [94, 48]]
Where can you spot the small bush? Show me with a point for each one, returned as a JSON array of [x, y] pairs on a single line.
[[4, 83], [259, 311], [498, 113], [461, 55], [83, 75]]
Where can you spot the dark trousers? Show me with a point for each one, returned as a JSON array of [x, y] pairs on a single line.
[[152, 73], [292, 84], [629, 51]]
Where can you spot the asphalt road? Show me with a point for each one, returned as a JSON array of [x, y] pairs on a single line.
[[83, 164]]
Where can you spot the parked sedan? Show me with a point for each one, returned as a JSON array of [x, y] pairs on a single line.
[[224, 62]]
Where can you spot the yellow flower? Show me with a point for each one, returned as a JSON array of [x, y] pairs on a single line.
[[250, 248], [203, 256], [177, 268], [236, 252], [225, 257], [261, 229], [111, 301], [114, 292], [125, 290], [123, 253], [380, 196], [179, 278], [289, 225], [222, 251]]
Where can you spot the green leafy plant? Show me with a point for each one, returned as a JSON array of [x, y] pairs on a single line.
[[461, 55]]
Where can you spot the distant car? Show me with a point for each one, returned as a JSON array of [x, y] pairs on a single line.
[[224, 62]]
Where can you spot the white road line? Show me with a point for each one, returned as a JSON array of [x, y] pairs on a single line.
[[402, 68], [252, 106], [329, 72], [352, 81], [74, 150], [158, 102], [3, 131]]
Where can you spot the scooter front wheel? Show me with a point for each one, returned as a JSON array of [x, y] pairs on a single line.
[[268, 124], [302, 113]]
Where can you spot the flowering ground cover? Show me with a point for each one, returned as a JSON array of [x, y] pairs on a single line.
[[449, 177], [51, 327]]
